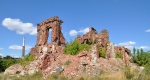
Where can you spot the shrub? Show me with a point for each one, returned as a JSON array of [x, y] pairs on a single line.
[[147, 67], [83, 47], [142, 58], [119, 55], [74, 47], [5, 63], [26, 60], [102, 52]]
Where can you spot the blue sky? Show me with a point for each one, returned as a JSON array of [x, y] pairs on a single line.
[[128, 21]]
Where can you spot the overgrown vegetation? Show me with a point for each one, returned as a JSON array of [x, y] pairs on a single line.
[[119, 55], [129, 73], [142, 58], [5, 63], [102, 52], [74, 47], [8, 61], [26, 60]]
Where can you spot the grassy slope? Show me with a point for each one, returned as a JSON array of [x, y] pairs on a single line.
[[125, 74]]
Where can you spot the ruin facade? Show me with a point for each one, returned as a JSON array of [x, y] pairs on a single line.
[[92, 36], [57, 38], [102, 40]]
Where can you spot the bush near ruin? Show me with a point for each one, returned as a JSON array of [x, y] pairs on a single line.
[[74, 47]]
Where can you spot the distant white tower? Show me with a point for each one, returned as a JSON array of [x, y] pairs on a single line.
[[23, 47]]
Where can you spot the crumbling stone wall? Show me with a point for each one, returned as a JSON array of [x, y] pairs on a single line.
[[87, 38], [43, 29], [103, 38], [42, 45], [125, 52], [93, 37]]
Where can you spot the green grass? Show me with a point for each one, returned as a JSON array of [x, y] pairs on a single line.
[[124, 74], [26, 60]]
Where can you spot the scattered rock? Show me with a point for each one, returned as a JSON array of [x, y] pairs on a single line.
[[14, 69], [58, 69]]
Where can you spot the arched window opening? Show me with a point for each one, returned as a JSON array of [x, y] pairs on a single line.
[[50, 35]]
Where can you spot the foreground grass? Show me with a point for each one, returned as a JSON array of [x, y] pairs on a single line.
[[125, 74]]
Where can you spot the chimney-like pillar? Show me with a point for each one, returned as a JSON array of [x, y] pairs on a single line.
[[23, 47]]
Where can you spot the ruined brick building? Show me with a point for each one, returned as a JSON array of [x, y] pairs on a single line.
[[50, 57], [58, 41]]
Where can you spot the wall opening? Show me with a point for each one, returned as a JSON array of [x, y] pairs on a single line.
[[50, 35]]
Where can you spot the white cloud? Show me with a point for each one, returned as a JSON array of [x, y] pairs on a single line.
[[1, 48], [73, 33], [147, 30], [28, 47], [145, 47], [85, 30], [18, 47], [1, 54], [20, 27], [129, 44]]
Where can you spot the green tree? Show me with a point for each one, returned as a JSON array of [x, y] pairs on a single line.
[[138, 52], [134, 51], [142, 59], [5, 63], [141, 50]]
